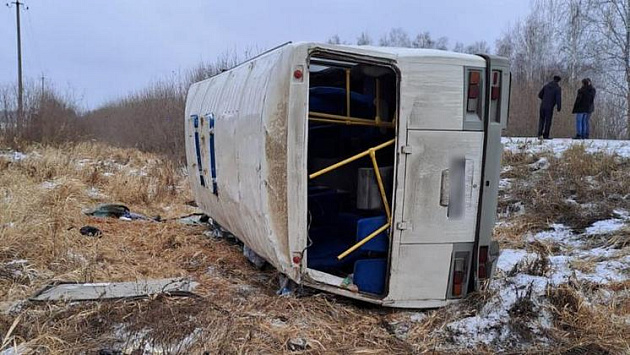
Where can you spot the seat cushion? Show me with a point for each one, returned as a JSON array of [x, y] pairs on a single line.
[[370, 275]]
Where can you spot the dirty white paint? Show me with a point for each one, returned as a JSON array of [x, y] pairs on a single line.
[[260, 113]]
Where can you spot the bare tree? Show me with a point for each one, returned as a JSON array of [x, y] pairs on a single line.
[[423, 40], [478, 47], [459, 47], [505, 46], [441, 43], [364, 39], [334, 39], [612, 21], [575, 42], [396, 37]]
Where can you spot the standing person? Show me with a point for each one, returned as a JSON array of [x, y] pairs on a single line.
[[592, 93], [583, 107], [551, 95]]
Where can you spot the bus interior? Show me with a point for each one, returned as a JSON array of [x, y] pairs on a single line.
[[351, 158]]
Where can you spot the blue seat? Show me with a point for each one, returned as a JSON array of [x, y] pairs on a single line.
[[370, 275], [365, 227]]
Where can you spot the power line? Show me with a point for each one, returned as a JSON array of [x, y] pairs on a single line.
[[31, 38]]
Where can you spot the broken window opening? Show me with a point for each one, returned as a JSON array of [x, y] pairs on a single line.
[[351, 136]]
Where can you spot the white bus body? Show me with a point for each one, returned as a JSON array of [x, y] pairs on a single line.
[[263, 141]]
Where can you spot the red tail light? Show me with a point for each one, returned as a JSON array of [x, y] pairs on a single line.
[[474, 91], [495, 92], [482, 270], [458, 277]]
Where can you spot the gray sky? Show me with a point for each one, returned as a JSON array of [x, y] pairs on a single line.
[[101, 50]]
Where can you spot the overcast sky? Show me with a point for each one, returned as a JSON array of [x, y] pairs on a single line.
[[101, 50]]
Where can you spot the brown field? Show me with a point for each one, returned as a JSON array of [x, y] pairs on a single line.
[[43, 196]]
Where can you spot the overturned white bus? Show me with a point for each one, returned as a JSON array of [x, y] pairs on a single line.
[[367, 172]]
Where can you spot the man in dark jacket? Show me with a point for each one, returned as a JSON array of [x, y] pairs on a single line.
[[583, 107], [551, 95]]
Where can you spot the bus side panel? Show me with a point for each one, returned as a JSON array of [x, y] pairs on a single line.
[[420, 272], [274, 168], [498, 97], [238, 100], [297, 180]]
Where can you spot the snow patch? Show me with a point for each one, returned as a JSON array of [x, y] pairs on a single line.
[[49, 185], [493, 324], [606, 226], [541, 164], [14, 156], [509, 258], [558, 234], [558, 146], [505, 184]]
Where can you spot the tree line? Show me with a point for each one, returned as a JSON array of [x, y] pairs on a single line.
[[398, 37], [570, 38], [574, 39]]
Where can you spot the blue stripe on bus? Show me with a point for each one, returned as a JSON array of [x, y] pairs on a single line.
[[195, 119], [213, 169]]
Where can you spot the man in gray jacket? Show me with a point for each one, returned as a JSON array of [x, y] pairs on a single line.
[[551, 95]]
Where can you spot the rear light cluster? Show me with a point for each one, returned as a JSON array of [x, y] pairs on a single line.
[[495, 92], [458, 277], [482, 269], [459, 274], [474, 91]]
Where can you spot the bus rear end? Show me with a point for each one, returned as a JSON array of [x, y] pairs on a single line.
[[448, 174]]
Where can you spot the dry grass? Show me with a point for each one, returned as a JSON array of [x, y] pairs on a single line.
[[586, 329], [575, 189], [559, 192], [41, 203], [236, 311]]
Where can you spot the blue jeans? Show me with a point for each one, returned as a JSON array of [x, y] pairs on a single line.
[[582, 125]]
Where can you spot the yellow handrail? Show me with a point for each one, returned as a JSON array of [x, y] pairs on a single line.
[[346, 118], [372, 153], [349, 120], [381, 187], [351, 159], [346, 122], [363, 241]]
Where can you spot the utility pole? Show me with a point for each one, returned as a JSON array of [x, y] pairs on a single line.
[[20, 109], [627, 59]]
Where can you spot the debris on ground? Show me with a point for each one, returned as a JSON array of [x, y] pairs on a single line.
[[287, 286], [195, 219], [110, 210], [115, 290], [254, 258], [90, 231], [122, 212], [297, 344]]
